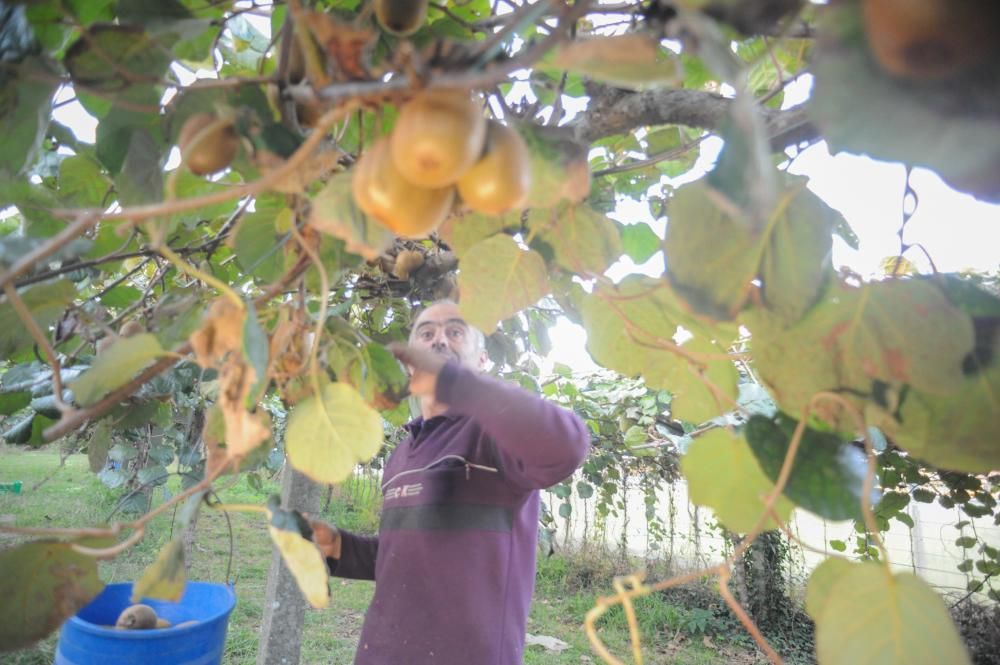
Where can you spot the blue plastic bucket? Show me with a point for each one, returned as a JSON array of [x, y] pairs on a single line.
[[86, 639]]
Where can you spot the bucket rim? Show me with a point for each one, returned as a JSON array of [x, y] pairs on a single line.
[[98, 629]]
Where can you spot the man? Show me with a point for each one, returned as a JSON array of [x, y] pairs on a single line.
[[454, 560]]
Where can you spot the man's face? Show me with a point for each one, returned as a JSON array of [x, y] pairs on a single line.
[[441, 329]]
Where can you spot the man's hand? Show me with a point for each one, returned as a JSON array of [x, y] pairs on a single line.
[[424, 368], [326, 537]]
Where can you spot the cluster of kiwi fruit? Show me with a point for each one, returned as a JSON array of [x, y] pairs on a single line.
[[441, 145]]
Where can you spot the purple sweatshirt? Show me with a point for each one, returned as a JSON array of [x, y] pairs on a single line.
[[454, 560]]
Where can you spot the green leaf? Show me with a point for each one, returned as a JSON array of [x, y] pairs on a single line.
[[98, 445], [823, 580], [957, 139], [46, 302], [335, 213], [639, 242], [121, 296], [648, 313], [111, 57], [859, 341], [713, 252], [558, 166], [81, 182], [140, 180], [26, 92], [260, 239], [828, 474], [462, 231], [115, 367], [255, 351], [873, 616], [497, 280], [13, 402], [164, 579], [956, 431], [565, 510], [722, 474], [838, 545], [326, 439], [632, 60], [153, 475], [584, 241], [584, 489], [44, 583]]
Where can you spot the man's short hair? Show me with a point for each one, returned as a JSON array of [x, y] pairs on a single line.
[[477, 334]]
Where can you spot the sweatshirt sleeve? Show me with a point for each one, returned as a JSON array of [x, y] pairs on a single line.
[[357, 557], [540, 443]]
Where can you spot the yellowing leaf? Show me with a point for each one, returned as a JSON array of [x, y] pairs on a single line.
[[631, 60], [115, 366], [306, 562], [859, 341], [584, 241], [335, 213], [244, 430], [723, 475], [957, 431], [873, 616], [462, 232], [43, 584], [220, 333], [630, 328], [497, 279], [164, 579], [330, 433], [822, 582]]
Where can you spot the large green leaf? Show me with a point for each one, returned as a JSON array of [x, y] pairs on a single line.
[[26, 92], [326, 439], [463, 231], [828, 474], [873, 616], [714, 252], [956, 431], [81, 183], [141, 179], [43, 584], [335, 213], [822, 582], [584, 241], [115, 366], [260, 239], [723, 475], [497, 279], [112, 57], [46, 303], [639, 242], [948, 125], [628, 329], [861, 342]]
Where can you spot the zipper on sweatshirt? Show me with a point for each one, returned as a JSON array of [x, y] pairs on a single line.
[[468, 468]]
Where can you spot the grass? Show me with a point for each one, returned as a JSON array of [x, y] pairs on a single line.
[[565, 586]]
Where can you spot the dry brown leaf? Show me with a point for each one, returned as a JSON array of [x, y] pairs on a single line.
[[244, 430], [348, 47], [220, 332]]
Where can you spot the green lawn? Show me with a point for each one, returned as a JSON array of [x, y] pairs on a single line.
[[73, 496]]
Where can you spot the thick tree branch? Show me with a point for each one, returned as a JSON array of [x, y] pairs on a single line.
[[613, 111]]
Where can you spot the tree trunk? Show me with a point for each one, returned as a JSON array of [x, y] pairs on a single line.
[[284, 606]]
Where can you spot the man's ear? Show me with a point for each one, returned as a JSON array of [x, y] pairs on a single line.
[[483, 359]]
